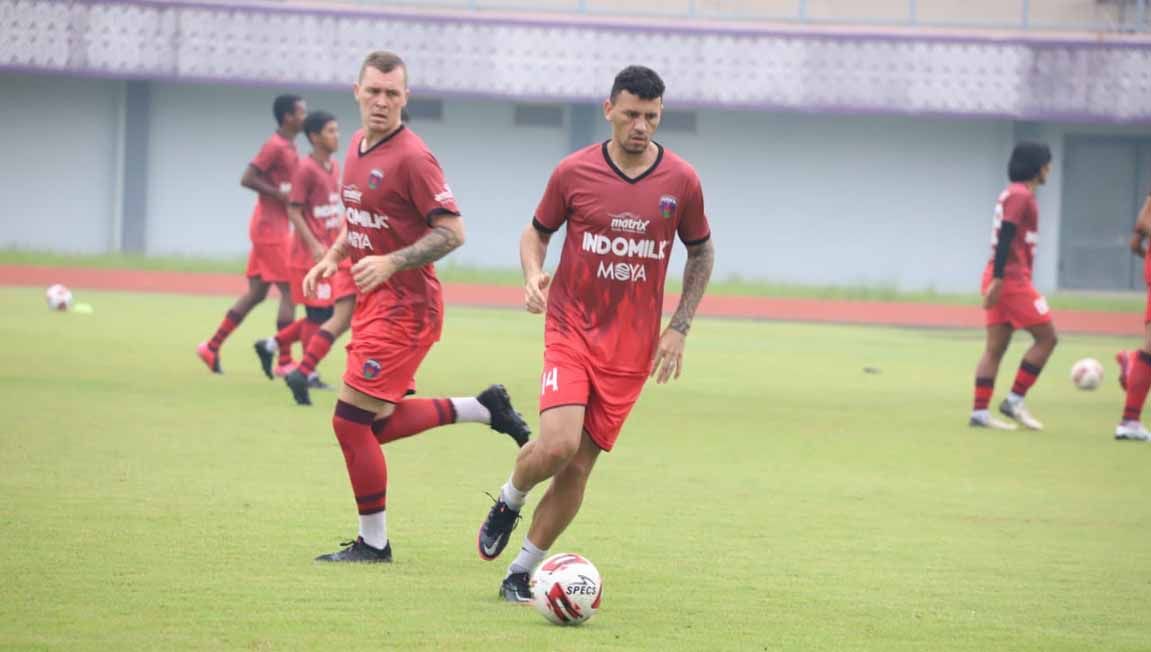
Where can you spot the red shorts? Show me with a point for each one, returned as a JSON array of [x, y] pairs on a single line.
[[328, 290], [1147, 313], [568, 379], [268, 262], [1019, 305], [382, 367]]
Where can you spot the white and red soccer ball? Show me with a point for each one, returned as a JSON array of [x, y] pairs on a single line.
[[567, 589], [1087, 373], [58, 297]]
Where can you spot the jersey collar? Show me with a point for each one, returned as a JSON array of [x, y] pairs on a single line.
[[390, 136], [619, 172]]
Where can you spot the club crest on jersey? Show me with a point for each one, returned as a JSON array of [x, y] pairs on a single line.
[[372, 369], [374, 179], [667, 205]]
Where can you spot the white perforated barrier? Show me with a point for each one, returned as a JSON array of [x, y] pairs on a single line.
[[1103, 79]]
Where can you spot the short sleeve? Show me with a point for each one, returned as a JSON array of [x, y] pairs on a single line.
[[553, 207], [268, 156], [693, 226], [303, 179], [1016, 207], [427, 189]]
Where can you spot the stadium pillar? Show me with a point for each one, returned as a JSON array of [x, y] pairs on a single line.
[[585, 120], [133, 169]]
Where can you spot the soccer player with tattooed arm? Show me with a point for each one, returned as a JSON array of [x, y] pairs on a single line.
[[624, 202], [401, 217]]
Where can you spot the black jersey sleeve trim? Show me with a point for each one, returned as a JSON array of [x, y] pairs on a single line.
[[539, 226], [439, 211], [692, 243], [1007, 232]]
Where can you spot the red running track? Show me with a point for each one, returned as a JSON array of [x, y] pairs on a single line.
[[888, 313]]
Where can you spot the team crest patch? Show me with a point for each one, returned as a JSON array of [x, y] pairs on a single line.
[[374, 179], [372, 369], [667, 205]]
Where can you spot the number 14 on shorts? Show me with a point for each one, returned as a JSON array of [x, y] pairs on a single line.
[[550, 379]]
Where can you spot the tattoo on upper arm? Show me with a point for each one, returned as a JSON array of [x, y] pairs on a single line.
[[436, 244], [696, 274]]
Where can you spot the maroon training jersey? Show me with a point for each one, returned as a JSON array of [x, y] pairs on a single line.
[[607, 296], [390, 193], [317, 191], [277, 161], [1017, 205]]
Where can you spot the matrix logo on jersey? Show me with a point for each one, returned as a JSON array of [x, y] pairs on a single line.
[[629, 223], [352, 194], [667, 205], [374, 179], [372, 369]]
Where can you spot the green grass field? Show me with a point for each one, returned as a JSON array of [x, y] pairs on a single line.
[[775, 498], [732, 286]]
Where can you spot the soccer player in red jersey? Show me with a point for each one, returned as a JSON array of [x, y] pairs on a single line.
[[1010, 301], [317, 219], [269, 175], [624, 202], [1135, 366], [401, 217]]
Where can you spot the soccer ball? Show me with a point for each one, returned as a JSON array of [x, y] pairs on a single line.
[[1087, 373], [567, 589], [59, 297]]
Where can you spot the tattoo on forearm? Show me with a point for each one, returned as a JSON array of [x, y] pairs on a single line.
[[438, 242], [696, 274]]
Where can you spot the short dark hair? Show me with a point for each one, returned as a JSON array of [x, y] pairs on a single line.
[[641, 81], [316, 121], [1027, 159], [284, 105], [384, 61]]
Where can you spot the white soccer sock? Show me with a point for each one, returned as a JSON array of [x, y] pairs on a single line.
[[470, 410], [374, 529], [1014, 398], [512, 496], [530, 556]]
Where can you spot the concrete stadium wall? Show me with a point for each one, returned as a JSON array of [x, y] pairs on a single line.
[[810, 199], [59, 176]]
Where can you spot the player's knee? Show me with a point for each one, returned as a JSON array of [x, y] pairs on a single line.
[[319, 315], [257, 293], [557, 454]]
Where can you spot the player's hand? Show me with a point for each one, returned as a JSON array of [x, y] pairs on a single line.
[[536, 293], [373, 271], [668, 358], [1137, 245], [323, 269], [991, 297]]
